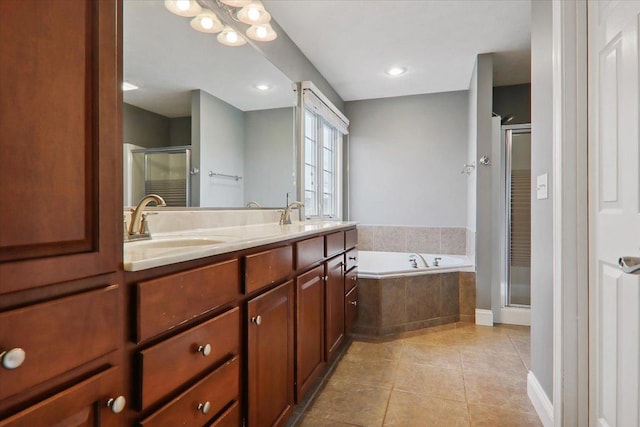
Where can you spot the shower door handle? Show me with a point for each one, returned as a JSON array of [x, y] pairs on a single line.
[[629, 264]]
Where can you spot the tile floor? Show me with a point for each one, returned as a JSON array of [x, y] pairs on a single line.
[[464, 376]]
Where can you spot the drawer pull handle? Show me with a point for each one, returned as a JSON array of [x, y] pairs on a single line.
[[117, 404], [204, 407], [354, 278], [257, 320], [325, 278], [353, 258], [12, 359], [204, 349], [353, 303]]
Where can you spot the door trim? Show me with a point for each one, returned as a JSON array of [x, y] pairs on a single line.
[[570, 215]]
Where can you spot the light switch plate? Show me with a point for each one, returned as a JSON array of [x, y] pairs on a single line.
[[542, 187]]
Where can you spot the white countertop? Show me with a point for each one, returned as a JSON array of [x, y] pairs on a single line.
[[169, 248]]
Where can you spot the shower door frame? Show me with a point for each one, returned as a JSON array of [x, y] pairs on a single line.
[[507, 132]]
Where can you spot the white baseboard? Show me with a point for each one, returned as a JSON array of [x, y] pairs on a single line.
[[484, 317], [514, 316], [540, 401]]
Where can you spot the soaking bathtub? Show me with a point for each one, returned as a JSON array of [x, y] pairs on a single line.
[[400, 292]]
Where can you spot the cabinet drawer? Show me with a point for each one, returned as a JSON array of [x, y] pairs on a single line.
[[350, 238], [334, 243], [350, 280], [351, 259], [351, 309], [218, 389], [168, 301], [83, 404], [229, 418], [173, 362], [58, 335], [268, 267], [309, 251]]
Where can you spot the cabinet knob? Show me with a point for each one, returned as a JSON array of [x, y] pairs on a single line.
[[325, 278], [257, 320], [204, 407], [12, 359], [117, 404], [354, 278], [353, 258], [204, 349], [353, 303]]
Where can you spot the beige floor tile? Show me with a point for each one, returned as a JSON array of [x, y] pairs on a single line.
[[504, 393], [406, 409], [488, 416], [523, 346], [444, 338], [350, 403], [360, 350], [430, 381], [374, 372], [320, 422], [508, 365], [432, 355]]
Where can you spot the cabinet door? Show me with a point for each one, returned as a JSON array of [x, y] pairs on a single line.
[[334, 309], [270, 356], [309, 329], [350, 309], [60, 139]]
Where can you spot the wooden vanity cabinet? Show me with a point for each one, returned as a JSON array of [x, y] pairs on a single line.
[[270, 373], [334, 305]]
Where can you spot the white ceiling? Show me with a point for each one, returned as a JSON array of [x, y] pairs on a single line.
[[353, 42], [168, 59]]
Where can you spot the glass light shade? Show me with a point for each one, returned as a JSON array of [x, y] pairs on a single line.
[[262, 33], [254, 14], [186, 8], [230, 37], [207, 22], [236, 3]]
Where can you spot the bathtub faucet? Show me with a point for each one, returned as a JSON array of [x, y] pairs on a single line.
[[413, 261], [436, 261]]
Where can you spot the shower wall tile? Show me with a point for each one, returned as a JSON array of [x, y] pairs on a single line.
[[365, 237], [390, 239], [423, 240], [423, 297], [454, 241]]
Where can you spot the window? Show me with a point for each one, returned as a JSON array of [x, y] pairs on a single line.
[[324, 128]]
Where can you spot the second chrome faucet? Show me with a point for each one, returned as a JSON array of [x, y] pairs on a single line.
[[285, 218]]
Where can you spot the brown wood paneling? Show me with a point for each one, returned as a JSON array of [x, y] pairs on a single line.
[[350, 280], [350, 309], [350, 238], [180, 353], [74, 407], [334, 243], [229, 418], [268, 267], [61, 141], [309, 329], [351, 258], [166, 302], [59, 335], [270, 357], [309, 251], [219, 388], [334, 306]]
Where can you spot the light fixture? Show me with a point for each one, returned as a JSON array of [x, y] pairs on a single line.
[[207, 22], [254, 14], [262, 33], [396, 71], [262, 86], [186, 8], [230, 37], [126, 86]]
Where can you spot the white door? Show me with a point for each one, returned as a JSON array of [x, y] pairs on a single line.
[[614, 212]]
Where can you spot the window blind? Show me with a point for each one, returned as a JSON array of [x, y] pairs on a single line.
[[314, 100]]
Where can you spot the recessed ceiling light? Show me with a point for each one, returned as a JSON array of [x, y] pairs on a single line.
[[396, 71], [263, 86], [128, 86]]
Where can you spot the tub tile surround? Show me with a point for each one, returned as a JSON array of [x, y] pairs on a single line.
[[434, 240], [389, 306]]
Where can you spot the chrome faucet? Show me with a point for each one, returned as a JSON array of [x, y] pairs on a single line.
[[139, 229], [285, 218]]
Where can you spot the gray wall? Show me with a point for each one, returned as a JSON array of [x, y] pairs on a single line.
[[218, 146], [180, 131], [269, 157], [541, 210], [406, 154], [144, 128], [482, 85], [514, 100]]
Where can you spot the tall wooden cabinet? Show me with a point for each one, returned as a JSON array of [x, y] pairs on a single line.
[[61, 317]]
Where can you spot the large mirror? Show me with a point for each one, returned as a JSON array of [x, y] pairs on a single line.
[[209, 125]]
